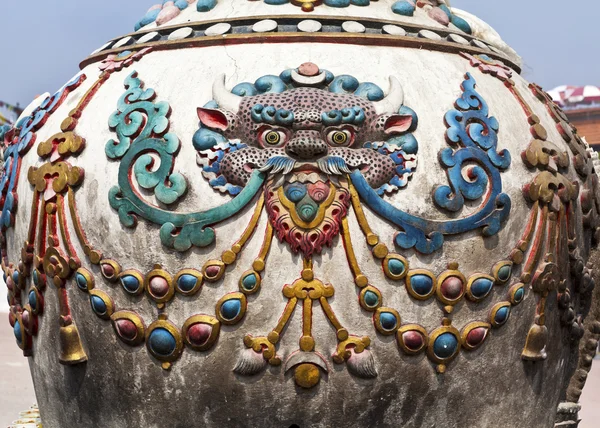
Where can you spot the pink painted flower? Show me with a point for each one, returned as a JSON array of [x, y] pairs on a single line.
[[117, 62]]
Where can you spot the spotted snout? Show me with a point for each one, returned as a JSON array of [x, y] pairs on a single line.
[[306, 145]]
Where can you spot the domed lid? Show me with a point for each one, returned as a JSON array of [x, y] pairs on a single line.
[[428, 24]]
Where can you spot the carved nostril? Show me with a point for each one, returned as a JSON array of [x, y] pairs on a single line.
[[306, 149]]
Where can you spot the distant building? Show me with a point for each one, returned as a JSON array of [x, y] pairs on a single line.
[[582, 105]]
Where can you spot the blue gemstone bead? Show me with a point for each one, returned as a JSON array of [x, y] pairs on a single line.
[[445, 345], [15, 277], [81, 281], [130, 283], [403, 7], [98, 305], [481, 287], [371, 299], [231, 309], [162, 342], [206, 5], [33, 299], [396, 267], [421, 284], [17, 331], [461, 24], [502, 315], [187, 282], [504, 273], [249, 282], [519, 294], [36, 277], [295, 192], [388, 320]]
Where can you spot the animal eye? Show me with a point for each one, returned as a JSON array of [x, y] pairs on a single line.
[[272, 138], [340, 138]]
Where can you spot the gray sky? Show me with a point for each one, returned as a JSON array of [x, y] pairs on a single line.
[[44, 41]]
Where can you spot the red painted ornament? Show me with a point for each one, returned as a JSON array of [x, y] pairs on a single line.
[[199, 333]]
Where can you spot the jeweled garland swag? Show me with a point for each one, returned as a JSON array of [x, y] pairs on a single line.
[[548, 236]]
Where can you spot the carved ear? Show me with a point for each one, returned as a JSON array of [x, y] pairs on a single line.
[[397, 123], [213, 118]]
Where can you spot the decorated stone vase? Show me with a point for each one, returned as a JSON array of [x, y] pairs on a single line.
[[249, 214]]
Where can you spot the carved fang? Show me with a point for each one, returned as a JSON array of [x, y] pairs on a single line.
[[362, 364], [250, 363]]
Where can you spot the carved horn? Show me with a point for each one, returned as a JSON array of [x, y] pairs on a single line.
[[224, 98], [394, 99]]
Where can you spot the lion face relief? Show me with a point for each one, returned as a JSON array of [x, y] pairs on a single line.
[[307, 139]]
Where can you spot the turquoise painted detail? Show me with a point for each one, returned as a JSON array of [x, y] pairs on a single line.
[[307, 209], [355, 116], [81, 282], [445, 345], [249, 282], [162, 342], [205, 5], [404, 8], [231, 309], [138, 138], [461, 24], [396, 267], [519, 294], [388, 320], [337, 3], [371, 299], [504, 273], [271, 115]]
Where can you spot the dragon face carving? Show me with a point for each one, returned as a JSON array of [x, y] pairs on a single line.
[[307, 137], [302, 129]]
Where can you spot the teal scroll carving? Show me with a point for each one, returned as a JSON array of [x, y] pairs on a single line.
[[142, 126]]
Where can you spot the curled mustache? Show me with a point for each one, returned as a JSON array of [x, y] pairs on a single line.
[[330, 165]]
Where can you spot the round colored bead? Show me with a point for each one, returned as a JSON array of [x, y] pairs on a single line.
[[162, 342], [421, 284], [404, 7], [504, 273], [249, 282], [26, 318], [98, 305], [413, 340], [130, 283], [452, 288], [371, 299], [81, 281], [308, 68], [15, 277], [388, 320], [159, 286], [396, 267], [445, 345], [32, 299], [213, 271], [36, 277], [107, 270], [18, 332], [476, 336], [231, 309], [481, 287], [199, 333], [126, 329], [502, 315], [187, 282], [295, 192], [519, 294]]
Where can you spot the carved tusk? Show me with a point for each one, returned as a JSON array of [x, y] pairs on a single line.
[[224, 98], [394, 99]]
